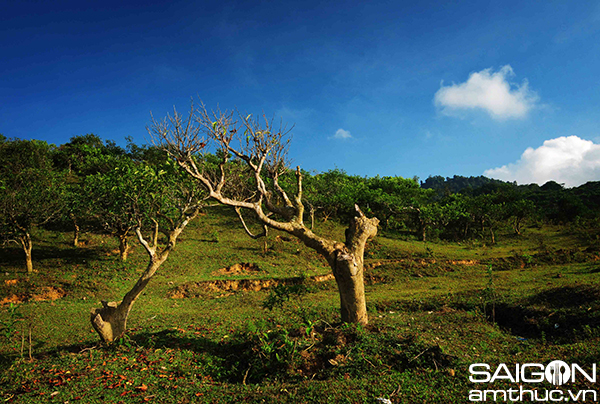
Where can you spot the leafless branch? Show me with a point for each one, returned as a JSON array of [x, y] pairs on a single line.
[[254, 236], [180, 136], [256, 143], [151, 250]]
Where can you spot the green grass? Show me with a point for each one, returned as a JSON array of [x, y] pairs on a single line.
[[435, 308]]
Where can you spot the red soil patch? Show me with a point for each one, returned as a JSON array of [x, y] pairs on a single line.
[[42, 294], [237, 269]]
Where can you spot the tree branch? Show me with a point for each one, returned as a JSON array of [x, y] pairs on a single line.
[[299, 204], [155, 234], [149, 249], [254, 236]]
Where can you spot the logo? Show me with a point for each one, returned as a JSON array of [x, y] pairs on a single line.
[[558, 373]]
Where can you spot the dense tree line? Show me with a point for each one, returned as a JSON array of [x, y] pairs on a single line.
[[150, 194], [82, 183], [456, 208]]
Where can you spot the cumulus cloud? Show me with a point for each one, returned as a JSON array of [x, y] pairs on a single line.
[[489, 91], [342, 134], [569, 160]]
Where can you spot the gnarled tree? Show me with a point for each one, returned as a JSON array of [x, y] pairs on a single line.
[[262, 148], [160, 198]]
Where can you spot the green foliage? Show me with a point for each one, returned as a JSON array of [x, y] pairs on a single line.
[[275, 349], [135, 193], [120, 195], [281, 294], [32, 190], [488, 295], [458, 184], [8, 326], [457, 208], [86, 154], [454, 209], [334, 194], [425, 325]]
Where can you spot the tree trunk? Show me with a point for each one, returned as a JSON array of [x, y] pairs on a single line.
[[123, 247], [75, 234], [422, 230], [517, 226], [349, 276], [110, 321], [345, 260], [347, 264], [27, 246]]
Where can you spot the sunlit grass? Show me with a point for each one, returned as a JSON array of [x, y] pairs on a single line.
[[435, 307]]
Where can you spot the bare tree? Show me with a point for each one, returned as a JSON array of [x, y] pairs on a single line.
[[263, 150]]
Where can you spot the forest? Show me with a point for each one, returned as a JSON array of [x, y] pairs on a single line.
[[260, 282], [62, 187]]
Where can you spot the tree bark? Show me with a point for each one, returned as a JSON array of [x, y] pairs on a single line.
[[349, 276], [75, 233], [110, 321], [345, 259], [347, 263], [517, 226], [349, 271], [123, 247], [27, 246]]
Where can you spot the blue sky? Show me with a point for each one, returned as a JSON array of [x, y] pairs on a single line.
[[409, 88]]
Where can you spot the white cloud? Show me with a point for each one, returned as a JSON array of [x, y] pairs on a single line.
[[569, 160], [342, 134], [489, 91]]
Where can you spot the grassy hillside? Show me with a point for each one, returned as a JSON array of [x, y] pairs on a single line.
[[201, 332]]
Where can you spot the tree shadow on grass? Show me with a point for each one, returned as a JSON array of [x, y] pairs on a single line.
[[223, 361], [8, 359], [560, 315], [14, 256], [251, 357], [254, 357], [228, 360], [567, 296]]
